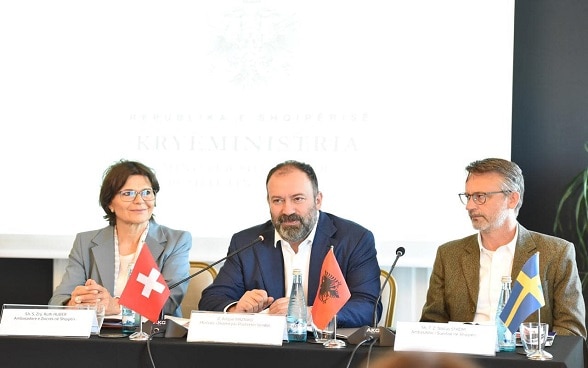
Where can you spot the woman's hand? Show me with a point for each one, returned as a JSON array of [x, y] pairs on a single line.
[[92, 293]]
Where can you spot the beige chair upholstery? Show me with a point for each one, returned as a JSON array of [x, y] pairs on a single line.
[[388, 299], [195, 287]]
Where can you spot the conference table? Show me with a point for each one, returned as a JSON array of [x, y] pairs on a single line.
[[95, 351], [99, 351]]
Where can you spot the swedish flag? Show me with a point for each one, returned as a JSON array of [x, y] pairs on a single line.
[[526, 296]]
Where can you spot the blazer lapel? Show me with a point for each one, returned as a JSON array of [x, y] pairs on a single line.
[[156, 242], [471, 256], [320, 247], [266, 255], [102, 250], [525, 247]]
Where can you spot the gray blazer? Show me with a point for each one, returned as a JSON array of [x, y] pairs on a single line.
[[455, 281], [92, 257]]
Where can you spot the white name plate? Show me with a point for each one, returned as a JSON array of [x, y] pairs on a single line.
[[243, 328], [47, 321], [446, 338]]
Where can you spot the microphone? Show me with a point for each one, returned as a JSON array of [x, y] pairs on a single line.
[[384, 336], [257, 240], [172, 329]]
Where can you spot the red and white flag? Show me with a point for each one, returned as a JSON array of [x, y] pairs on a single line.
[[146, 290], [332, 293]]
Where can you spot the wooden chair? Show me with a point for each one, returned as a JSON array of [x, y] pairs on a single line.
[[388, 299], [195, 287]]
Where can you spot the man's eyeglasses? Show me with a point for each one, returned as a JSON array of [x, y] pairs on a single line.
[[130, 195], [478, 197]]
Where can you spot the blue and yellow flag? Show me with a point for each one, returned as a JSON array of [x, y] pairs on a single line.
[[526, 296]]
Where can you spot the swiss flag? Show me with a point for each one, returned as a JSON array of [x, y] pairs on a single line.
[[146, 291], [332, 293]]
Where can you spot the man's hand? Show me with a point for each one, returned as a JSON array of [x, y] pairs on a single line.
[[279, 306], [253, 301]]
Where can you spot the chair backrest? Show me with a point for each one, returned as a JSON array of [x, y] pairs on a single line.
[[195, 287], [388, 299]]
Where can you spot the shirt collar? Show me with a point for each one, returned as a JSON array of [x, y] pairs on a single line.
[[511, 245]]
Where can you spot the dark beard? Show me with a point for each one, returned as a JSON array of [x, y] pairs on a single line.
[[296, 234]]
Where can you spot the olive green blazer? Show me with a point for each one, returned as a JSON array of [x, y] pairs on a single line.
[[455, 281]]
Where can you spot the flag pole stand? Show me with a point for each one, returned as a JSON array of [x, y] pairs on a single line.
[[540, 353], [140, 335], [334, 343]]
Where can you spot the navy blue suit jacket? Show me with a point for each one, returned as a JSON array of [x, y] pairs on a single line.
[[262, 267]]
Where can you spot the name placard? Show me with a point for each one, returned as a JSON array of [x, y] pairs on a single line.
[[446, 338], [242, 328], [46, 321]]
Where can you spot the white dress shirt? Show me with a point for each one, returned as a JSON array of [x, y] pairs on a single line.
[[493, 265]]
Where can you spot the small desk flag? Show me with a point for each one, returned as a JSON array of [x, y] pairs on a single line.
[[526, 296], [332, 293], [146, 290]]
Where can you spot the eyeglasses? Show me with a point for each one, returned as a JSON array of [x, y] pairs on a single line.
[[130, 195], [478, 197]]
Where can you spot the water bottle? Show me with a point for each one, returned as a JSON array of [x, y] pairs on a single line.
[[129, 319], [296, 318], [506, 340]]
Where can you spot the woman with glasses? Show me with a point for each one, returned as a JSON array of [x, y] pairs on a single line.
[[466, 279], [100, 260]]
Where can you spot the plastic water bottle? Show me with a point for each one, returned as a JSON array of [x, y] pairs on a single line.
[[296, 318], [506, 340], [129, 319]]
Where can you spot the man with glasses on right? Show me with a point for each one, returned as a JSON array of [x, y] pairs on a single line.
[[466, 278]]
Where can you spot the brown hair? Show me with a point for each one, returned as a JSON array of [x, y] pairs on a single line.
[[115, 177], [511, 172], [413, 359]]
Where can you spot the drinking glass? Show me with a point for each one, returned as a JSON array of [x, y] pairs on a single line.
[[100, 310], [533, 338], [326, 334]]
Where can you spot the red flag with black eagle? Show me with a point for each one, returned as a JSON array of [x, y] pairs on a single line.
[[146, 290], [332, 293]]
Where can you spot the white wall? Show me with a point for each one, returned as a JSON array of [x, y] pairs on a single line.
[[388, 100]]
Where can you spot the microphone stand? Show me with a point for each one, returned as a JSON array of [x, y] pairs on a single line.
[[174, 329], [257, 240], [383, 334]]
